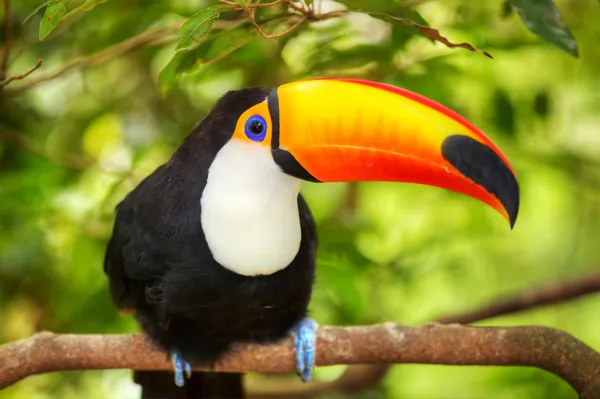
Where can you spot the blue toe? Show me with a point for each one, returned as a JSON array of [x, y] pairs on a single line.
[[305, 339], [179, 366], [188, 370]]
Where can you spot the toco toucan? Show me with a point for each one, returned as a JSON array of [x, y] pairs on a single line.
[[217, 246]]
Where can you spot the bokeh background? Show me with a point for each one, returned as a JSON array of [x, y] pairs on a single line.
[[71, 147]]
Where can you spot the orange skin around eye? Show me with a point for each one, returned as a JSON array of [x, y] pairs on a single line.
[[261, 109]]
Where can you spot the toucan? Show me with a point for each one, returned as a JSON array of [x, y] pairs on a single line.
[[217, 247]]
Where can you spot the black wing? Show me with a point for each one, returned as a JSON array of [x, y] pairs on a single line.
[[130, 261]]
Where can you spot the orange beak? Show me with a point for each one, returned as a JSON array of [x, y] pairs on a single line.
[[343, 130]]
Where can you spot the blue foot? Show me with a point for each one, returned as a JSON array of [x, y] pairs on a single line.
[[305, 342], [179, 367]]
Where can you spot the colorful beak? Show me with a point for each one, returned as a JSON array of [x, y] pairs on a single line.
[[343, 130]]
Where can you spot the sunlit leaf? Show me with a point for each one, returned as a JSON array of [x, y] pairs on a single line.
[[391, 11], [37, 9], [52, 16], [103, 134], [332, 60], [380, 8], [207, 51], [543, 18], [198, 26]]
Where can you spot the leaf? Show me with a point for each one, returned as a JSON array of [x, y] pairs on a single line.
[[87, 6], [52, 16], [385, 8], [329, 60], [380, 6], [391, 11], [543, 18], [206, 52], [90, 4], [198, 26], [37, 9]]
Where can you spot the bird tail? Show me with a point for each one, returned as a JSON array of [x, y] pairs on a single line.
[[201, 385]]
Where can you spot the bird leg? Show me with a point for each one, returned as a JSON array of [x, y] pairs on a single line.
[[305, 342], [179, 366]]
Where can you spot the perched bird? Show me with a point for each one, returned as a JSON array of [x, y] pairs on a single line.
[[217, 246]]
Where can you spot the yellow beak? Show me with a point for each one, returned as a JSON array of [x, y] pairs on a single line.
[[342, 130]]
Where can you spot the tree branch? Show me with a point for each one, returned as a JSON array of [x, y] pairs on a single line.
[[23, 75], [532, 298], [359, 378], [133, 43], [542, 347], [7, 36]]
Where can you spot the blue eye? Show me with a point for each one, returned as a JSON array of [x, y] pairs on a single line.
[[256, 128]]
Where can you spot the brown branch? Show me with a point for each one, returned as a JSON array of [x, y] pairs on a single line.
[[4, 61], [275, 35], [7, 38], [74, 161], [306, 14], [131, 44], [532, 298], [357, 379], [238, 6], [23, 75], [542, 347]]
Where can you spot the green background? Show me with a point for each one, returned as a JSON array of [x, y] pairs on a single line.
[[73, 146]]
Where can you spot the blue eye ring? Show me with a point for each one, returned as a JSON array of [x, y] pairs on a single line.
[[256, 128]]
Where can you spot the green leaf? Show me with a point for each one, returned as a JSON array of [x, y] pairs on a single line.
[[37, 9], [87, 6], [206, 52], [198, 26], [90, 4], [543, 18], [330, 60], [381, 8], [52, 16]]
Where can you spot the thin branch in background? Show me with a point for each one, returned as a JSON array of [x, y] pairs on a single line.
[[7, 40], [73, 161], [534, 346], [23, 75], [247, 6], [133, 43], [275, 35], [306, 13], [533, 298], [360, 378]]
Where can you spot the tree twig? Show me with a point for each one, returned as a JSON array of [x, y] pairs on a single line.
[[359, 378], [542, 347], [532, 298], [133, 43], [7, 39], [74, 161], [23, 75]]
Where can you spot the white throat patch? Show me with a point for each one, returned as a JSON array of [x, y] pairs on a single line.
[[250, 210]]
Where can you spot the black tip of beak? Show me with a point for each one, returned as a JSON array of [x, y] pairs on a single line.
[[482, 165]]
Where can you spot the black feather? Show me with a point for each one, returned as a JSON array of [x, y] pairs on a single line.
[[158, 261]]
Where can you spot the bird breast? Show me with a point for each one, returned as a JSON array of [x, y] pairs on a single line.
[[250, 211]]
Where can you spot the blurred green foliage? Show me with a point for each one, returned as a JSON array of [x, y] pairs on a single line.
[[71, 148]]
